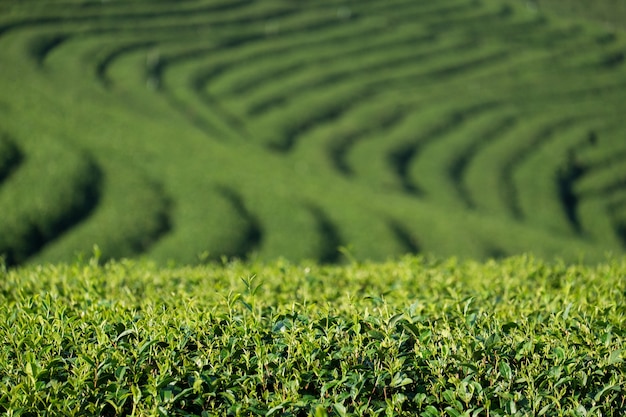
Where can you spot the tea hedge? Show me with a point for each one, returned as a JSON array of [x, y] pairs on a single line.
[[416, 336]]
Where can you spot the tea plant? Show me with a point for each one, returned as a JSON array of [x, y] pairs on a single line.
[[417, 336]]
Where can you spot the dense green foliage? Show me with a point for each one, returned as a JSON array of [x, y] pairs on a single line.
[[414, 337], [191, 130], [608, 12]]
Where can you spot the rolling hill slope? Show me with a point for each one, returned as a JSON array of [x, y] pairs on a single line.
[[191, 130]]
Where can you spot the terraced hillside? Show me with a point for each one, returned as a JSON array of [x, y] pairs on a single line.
[[188, 130]]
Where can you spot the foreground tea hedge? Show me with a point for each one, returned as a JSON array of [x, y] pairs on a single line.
[[417, 336]]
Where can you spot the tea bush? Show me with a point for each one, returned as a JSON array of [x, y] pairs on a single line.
[[415, 336]]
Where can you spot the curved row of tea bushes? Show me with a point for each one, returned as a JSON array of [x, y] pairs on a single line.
[[326, 130], [67, 185]]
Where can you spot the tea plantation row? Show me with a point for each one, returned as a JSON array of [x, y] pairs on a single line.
[[191, 130], [416, 337]]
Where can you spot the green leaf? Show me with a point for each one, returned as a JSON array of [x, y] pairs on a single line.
[[412, 328], [125, 333], [375, 334], [120, 372], [559, 352], [320, 411], [615, 357], [144, 347], [393, 320], [400, 380], [606, 389], [478, 412], [246, 305], [136, 391], [453, 412], [430, 411], [505, 371], [340, 409], [272, 410]]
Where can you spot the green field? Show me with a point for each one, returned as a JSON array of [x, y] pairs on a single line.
[[609, 13], [328, 130], [414, 337], [271, 207]]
